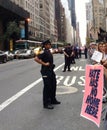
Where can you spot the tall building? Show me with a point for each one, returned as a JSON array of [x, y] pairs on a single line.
[[78, 35], [58, 17], [68, 26], [37, 19], [19, 2], [89, 19], [52, 20], [47, 17], [10, 12], [55, 31], [89, 14], [71, 4], [98, 17], [98, 14], [42, 15], [69, 30], [32, 6], [105, 12], [61, 22]]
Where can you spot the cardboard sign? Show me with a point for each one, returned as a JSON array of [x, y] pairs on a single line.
[[97, 56], [92, 100]]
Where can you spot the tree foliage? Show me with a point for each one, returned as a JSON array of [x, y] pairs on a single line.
[[12, 31]]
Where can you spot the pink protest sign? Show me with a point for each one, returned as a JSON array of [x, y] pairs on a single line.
[[92, 100]]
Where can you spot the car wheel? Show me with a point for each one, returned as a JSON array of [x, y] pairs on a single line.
[[4, 60]]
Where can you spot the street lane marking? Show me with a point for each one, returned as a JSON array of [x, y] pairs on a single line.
[[66, 90], [20, 93]]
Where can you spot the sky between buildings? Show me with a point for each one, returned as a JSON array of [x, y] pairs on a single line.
[[80, 16]]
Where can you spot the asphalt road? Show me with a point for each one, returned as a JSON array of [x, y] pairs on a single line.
[[21, 97]]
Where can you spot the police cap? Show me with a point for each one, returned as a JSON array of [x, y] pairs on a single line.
[[46, 42]]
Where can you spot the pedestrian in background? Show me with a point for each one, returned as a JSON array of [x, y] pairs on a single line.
[[76, 51], [73, 55], [79, 52], [85, 52], [48, 75]]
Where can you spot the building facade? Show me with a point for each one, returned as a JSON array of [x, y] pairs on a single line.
[[37, 19], [32, 6], [61, 20], [10, 12], [71, 4], [96, 26]]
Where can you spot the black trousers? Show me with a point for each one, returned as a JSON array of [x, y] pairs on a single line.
[[67, 63], [49, 90]]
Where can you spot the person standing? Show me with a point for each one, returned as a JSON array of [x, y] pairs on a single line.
[[85, 52], [48, 75], [73, 55], [79, 52], [102, 47], [67, 53]]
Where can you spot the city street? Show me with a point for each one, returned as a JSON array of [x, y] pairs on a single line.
[[21, 97], [70, 29]]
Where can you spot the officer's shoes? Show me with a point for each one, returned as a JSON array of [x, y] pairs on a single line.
[[69, 70], [48, 107], [56, 103]]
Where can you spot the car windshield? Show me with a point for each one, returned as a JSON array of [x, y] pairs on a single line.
[[21, 45], [22, 51]]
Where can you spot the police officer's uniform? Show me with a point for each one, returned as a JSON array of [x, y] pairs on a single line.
[[49, 78], [68, 51]]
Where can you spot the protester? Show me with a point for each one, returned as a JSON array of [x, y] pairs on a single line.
[[104, 112], [48, 75], [92, 48], [103, 48], [104, 63]]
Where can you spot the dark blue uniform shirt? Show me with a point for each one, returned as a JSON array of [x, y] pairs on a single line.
[[46, 56]]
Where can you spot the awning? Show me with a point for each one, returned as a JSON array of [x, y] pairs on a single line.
[[9, 10]]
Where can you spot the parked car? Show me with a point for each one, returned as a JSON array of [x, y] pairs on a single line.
[[10, 55], [3, 57], [23, 54]]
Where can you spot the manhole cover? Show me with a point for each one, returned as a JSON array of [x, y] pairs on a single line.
[[66, 90]]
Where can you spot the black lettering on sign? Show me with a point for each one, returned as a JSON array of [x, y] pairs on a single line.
[[93, 102]]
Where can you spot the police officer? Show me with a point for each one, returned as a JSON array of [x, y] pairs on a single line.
[[67, 53], [48, 75]]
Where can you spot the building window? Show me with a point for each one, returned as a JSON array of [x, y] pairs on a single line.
[[41, 6]]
